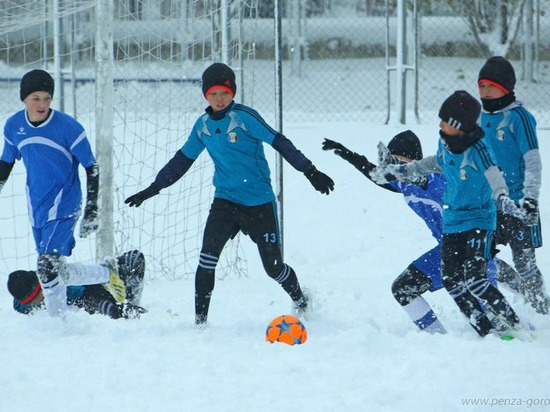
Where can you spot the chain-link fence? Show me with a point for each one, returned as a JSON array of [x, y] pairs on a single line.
[[335, 51]]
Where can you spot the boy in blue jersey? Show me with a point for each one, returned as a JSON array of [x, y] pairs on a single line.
[[474, 185], [425, 197], [28, 297], [510, 131], [233, 135], [52, 144]]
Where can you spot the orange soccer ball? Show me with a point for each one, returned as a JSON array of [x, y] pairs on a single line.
[[286, 328]]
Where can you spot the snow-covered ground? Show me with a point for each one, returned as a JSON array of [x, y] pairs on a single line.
[[362, 353]]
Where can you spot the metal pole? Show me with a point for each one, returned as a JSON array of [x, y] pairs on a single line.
[[401, 59], [57, 56], [297, 36], [388, 67], [225, 32], [279, 113], [104, 126], [529, 40], [73, 62]]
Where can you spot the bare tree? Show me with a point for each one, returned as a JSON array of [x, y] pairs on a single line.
[[494, 23]]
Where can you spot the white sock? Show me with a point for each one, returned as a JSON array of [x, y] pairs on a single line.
[[77, 274], [55, 297], [423, 316]]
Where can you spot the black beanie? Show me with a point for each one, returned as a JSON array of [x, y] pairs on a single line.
[[406, 144], [23, 285], [498, 70], [36, 81], [461, 110], [220, 75]]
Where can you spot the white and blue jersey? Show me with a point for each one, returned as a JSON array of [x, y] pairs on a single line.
[[51, 153], [426, 201], [511, 134], [235, 144]]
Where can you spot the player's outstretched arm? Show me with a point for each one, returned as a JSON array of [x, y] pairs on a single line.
[[168, 175], [360, 162], [320, 181]]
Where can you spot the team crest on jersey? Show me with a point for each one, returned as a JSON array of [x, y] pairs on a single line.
[[463, 174], [232, 137], [500, 134]]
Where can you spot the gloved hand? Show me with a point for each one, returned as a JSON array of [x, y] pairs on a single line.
[[130, 311], [531, 207], [126, 311], [320, 181], [384, 174], [137, 199], [339, 149], [384, 155], [89, 223], [508, 207]]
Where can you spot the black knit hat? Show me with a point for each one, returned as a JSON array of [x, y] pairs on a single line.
[[218, 75], [23, 285], [36, 81], [499, 71], [406, 144], [461, 110]]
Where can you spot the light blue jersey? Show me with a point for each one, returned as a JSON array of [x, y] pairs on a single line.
[[468, 199], [511, 134], [235, 144], [51, 153], [427, 202]]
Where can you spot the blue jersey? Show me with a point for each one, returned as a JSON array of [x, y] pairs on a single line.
[[425, 200], [73, 294], [468, 199], [235, 144], [511, 133], [51, 153]]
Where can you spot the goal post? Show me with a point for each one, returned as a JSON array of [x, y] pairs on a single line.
[[105, 243], [134, 84]]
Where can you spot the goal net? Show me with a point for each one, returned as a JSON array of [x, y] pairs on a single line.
[[160, 49]]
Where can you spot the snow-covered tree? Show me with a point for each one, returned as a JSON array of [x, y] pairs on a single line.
[[494, 23]]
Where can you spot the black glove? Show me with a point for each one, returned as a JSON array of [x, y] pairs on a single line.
[[509, 207], [531, 207], [384, 174], [339, 149], [89, 221], [130, 311], [137, 199], [320, 181], [126, 311]]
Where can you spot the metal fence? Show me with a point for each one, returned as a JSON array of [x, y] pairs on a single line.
[[342, 51]]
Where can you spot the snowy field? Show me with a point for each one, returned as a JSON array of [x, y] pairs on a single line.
[[362, 354]]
